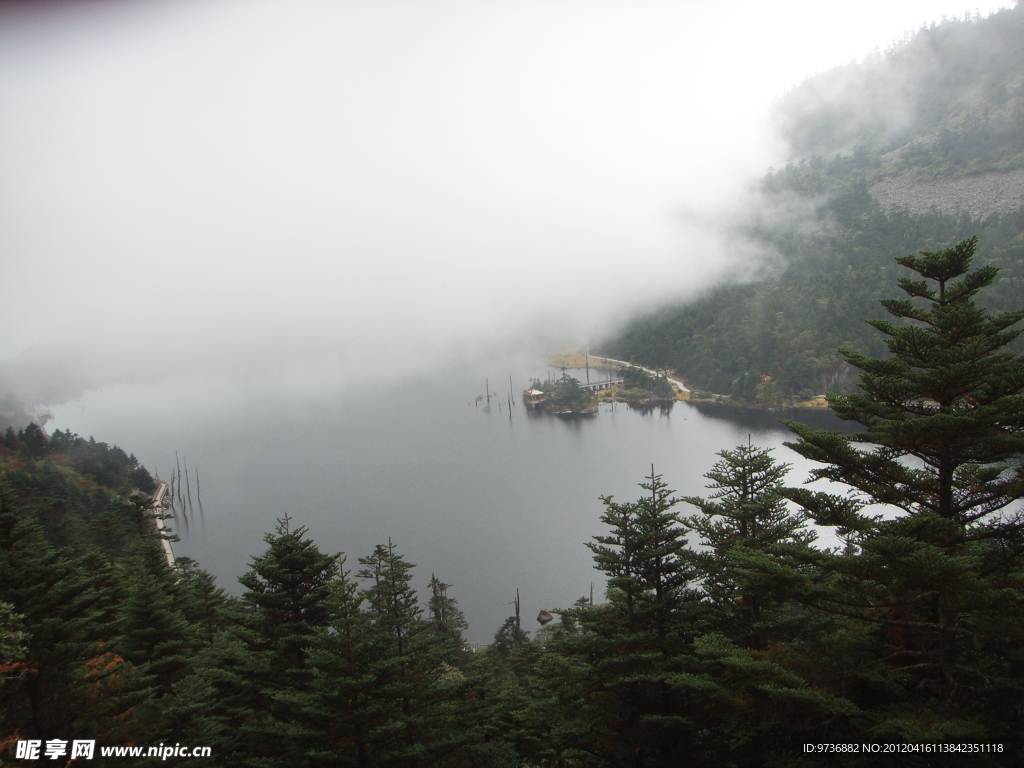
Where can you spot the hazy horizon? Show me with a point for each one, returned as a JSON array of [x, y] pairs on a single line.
[[305, 192]]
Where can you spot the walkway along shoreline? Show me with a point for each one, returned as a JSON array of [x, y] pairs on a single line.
[[816, 403], [624, 364], [159, 506]]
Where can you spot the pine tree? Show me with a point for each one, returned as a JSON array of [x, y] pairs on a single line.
[[391, 599], [204, 604], [34, 441], [510, 636], [613, 689], [933, 576], [747, 529], [663, 688], [71, 684], [663, 564], [348, 718], [413, 670], [645, 557], [446, 619], [618, 553], [155, 635], [395, 614], [259, 670], [755, 641], [287, 590]]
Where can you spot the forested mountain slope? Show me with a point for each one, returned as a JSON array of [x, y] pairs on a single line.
[[909, 150]]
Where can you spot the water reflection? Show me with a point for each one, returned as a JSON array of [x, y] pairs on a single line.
[[760, 421], [662, 409]]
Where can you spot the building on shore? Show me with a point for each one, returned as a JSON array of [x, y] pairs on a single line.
[[533, 398]]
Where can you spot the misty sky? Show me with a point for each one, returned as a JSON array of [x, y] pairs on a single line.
[[221, 189]]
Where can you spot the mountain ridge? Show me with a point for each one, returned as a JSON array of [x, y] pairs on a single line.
[[909, 151]]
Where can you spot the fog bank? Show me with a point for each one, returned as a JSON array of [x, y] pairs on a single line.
[[235, 189]]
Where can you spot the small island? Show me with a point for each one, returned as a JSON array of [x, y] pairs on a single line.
[[568, 397], [562, 397]]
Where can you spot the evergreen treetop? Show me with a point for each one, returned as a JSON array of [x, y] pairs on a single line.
[[645, 557], [392, 601], [446, 618], [287, 591], [945, 413], [748, 566], [933, 585], [747, 507]]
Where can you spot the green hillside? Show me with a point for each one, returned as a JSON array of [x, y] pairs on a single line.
[[945, 105]]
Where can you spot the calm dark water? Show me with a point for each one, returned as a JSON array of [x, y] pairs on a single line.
[[487, 502]]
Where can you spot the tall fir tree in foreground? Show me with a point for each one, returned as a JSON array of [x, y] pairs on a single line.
[[417, 680], [931, 580], [756, 642], [344, 712], [263, 666], [747, 530], [154, 634], [656, 676], [612, 688], [646, 558]]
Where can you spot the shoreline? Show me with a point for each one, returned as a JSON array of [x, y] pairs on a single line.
[[578, 360]]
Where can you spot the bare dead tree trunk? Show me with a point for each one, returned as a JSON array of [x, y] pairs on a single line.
[[188, 485]]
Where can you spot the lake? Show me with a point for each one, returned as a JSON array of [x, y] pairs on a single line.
[[487, 501]]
